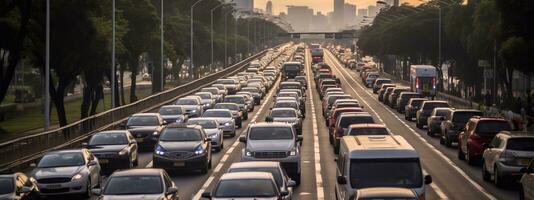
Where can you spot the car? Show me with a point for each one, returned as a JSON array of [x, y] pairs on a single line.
[[302, 80], [453, 124], [300, 99], [367, 161], [173, 113], [426, 109], [383, 89], [370, 79], [437, 116], [378, 83], [283, 182], [505, 155], [291, 85], [367, 129], [333, 115], [192, 105], [477, 131], [526, 189], [225, 119], [241, 101], [207, 99], [145, 127], [183, 147], [412, 107], [329, 100], [404, 98], [288, 115], [115, 149], [255, 92], [344, 120], [249, 100], [274, 141], [387, 93], [395, 95], [212, 129], [237, 113], [288, 104], [222, 89], [385, 193], [17, 186], [245, 185], [232, 85], [138, 184], [66, 172], [215, 92]]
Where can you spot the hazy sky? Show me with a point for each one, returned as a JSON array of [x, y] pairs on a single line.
[[318, 5]]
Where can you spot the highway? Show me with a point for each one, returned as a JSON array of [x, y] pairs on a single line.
[[452, 179]]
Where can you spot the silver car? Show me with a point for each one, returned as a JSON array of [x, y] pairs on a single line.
[[225, 119], [173, 113], [212, 129], [193, 105], [289, 115], [246, 185], [283, 182], [66, 172], [217, 95], [207, 100], [249, 100]]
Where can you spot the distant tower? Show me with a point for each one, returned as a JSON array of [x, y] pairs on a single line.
[[269, 8], [339, 11]]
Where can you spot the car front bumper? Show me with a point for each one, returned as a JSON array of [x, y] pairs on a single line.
[[192, 163]]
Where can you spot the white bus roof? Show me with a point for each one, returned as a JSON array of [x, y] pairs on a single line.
[[383, 146]]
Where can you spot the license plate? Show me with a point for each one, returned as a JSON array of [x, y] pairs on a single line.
[[179, 164], [103, 161], [138, 140], [53, 186], [425, 88], [524, 161]]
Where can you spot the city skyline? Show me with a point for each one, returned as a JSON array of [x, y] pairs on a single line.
[[324, 6]]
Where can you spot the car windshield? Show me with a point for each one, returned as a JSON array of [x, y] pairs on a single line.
[[245, 188], [226, 106], [180, 134], [520, 144], [463, 117], [430, 106], [186, 102], [366, 173], [108, 139], [225, 81], [489, 128], [250, 90], [238, 100], [380, 82], [334, 98], [286, 105], [212, 113], [130, 185], [441, 112], [292, 67], [368, 131], [347, 121], [206, 124], [61, 160], [270, 133], [210, 90], [283, 113], [290, 86], [287, 94], [143, 121], [6, 185], [204, 96], [274, 171], [170, 111], [406, 97]]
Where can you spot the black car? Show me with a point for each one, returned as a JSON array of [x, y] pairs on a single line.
[[453, 124], [404, 98], [426, 109], [146, 128], [17, 186], [115, 149], [183, 146], [411, 108]]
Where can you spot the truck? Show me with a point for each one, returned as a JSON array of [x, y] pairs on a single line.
[[291, 69], [317, 55], [423, 80]]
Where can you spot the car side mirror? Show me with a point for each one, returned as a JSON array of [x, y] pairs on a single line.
[[84, 145], [284, 193], [341, 180], [428, 179], [243, 139], [171, 190], [96, 191], [300, 138], [165, 122], [92, 163], [206, 195], [25, 189], [291, 183]]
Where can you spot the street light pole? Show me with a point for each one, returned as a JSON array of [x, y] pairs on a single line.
[[211, 26], [226, 38], [235, 40], [47, 70], [191, 38], [439, 42], [162, 81], [113, 70]]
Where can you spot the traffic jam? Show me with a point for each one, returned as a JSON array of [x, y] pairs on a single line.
[[266, 110]]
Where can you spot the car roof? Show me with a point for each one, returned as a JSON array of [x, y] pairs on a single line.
[[292, 109], [254, 164], [386, 192], [383, 146], [172, 106], [65, 151], [138, 172], [145, 114], [517, 134], [434, 101], [246, 175], [112, 131], [217, 109], [271, 124]]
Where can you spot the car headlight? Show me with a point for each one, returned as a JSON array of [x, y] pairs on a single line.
[[293, 152], [33, 180], [179, 120], [193, 111], [155, 133], [76, 177], [227, 124], [248, 153], [212, 136], [199, 150], [159, 150], [207, 104], [123, 152]]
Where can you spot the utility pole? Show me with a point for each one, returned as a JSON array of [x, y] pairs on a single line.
[[191, 38], [162, 81], [113, 70], [47, 70]]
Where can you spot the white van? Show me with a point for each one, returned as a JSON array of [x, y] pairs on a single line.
[[423, 79], [378, 161]]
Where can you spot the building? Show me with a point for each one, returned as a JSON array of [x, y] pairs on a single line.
[[339, 12], [362, 12], [372, 11], [320, 23], [244, 5], [269, 8], [300, 17], [349, 14]]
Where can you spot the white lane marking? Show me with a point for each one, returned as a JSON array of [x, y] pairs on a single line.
[[316, 149], [458, 169], [232, 148]]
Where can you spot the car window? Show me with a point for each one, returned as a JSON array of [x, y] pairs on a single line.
[[206, 124], [270, 133], [215, 113], [463, 117], [245, 188], [377, 173], [143, 121], [496, 142], [238, 100], [226, 106], [180, 134], [127, 185], [6, 185], [186, 102], [204, 96], [520, 144], [431, 106], [170, 111], [369, 131], [492, 127], [349, 120], [283, 113], [274, 171], [108, 139], [61, 160]]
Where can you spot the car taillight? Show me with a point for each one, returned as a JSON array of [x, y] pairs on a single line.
[[507, 158], [434, 83], [417, 82]]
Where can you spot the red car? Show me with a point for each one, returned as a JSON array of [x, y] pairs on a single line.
[[341, 125], [329, 100], [331, 121], [479, 131]]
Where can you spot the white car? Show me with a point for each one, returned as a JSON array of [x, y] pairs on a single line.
[[225, 119], [526, 191]]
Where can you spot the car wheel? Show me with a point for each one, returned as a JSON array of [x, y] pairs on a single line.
[[485, 174], [330, 139], [470, 159], [205, 168], [88, 193], [297, 179], [521, 193], [136, 161], [497, 178], [461, 155], [442, 140]]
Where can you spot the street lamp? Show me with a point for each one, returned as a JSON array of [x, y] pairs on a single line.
[[47, 70], [211, 26], [162, 81], [191, 37], [226, 38]]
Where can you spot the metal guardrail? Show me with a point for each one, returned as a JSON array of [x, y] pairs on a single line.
[[16, 154]]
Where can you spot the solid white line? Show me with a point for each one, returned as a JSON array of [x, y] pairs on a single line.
[[439, 153], [232, 148], [317, 150]]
